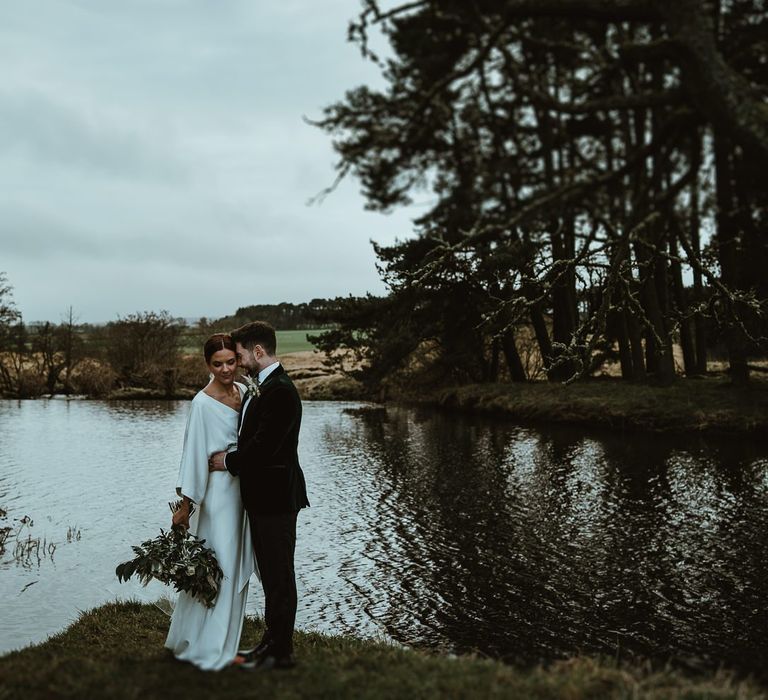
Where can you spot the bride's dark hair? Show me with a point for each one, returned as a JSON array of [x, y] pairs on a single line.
[[218, 341]]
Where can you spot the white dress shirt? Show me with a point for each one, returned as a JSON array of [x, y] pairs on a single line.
[[267, 371]]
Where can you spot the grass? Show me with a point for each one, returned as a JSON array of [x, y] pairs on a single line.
[[709, 405], [294, 341], [116, 651]]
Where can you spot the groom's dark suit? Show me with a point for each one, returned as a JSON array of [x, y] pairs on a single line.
[[273, 491]]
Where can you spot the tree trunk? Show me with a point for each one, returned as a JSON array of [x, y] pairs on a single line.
[[714, 88], [636, 343], [698, 285], [727, 245], [660, 355], [512, 356], [686, 330], [493, 367], [68, 345], [562, 322], [621, 333]]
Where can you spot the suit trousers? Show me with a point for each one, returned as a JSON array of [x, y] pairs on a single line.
[[274, 543]]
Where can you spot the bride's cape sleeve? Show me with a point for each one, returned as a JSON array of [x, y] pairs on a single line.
[[193, 471]]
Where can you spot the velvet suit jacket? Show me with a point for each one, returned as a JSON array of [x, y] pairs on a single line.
[[266, 459]]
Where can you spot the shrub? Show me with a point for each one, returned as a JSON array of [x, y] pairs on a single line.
[[93, 378], [193, 373], [29, 384]]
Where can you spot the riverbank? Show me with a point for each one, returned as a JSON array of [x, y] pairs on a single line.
[[116, 651], [706, 406]]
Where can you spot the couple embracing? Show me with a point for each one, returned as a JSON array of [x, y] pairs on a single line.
[[241, 469]]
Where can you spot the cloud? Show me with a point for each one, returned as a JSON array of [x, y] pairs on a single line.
[[153, 155], [40, 129]]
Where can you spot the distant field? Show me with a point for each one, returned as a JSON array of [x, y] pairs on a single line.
[[287, 341], [294, 341]]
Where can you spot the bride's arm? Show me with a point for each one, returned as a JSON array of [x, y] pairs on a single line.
[[193, 470]]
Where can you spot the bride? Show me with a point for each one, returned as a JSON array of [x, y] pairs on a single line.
[[208, 637]]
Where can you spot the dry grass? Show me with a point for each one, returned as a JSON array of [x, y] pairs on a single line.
[[316, 381]]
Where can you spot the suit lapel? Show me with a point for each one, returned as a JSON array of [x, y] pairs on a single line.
[[245, 402], [255, 399]]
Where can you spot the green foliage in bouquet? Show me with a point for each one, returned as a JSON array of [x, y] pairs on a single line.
[[177, 558]]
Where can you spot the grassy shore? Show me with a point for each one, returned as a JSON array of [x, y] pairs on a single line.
[[116, 651], [705, 406]]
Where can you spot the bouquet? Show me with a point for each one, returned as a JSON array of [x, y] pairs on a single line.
[[177, 558]]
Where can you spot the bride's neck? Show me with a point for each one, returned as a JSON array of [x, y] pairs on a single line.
[[220, 388]]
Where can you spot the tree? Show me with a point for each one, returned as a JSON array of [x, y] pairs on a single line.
[[12, 341], [8, 312], [143, 349], [568, 144], [284, 316], [58, 350]]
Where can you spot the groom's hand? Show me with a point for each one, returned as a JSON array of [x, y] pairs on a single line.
[[216, 462]]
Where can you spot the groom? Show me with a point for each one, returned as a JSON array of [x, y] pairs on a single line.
[[271, 485]]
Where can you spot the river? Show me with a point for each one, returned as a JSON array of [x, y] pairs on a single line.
[[426, 528]]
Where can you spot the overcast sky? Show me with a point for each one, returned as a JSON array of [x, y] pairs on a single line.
[[153, 156]]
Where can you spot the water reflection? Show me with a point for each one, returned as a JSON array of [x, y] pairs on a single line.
[[528, 545]]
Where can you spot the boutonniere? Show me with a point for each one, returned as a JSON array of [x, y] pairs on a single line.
[[252, 386]]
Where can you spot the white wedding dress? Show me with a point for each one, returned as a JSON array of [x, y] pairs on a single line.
[[208, 637]]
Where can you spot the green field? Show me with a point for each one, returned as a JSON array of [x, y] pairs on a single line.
[[287, 341], [294, 341]]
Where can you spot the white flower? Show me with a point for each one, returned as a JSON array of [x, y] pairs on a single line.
[[252, 386]]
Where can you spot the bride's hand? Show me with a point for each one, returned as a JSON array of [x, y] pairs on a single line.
[[181, 517]]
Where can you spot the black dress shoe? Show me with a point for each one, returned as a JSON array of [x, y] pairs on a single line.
[[258, 650], [269, 662]]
